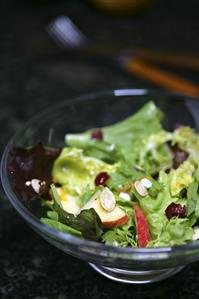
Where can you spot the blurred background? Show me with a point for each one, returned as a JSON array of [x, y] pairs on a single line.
[[35, 71], [44, 60]]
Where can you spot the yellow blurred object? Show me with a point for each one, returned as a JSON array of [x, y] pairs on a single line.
[[122, 6]]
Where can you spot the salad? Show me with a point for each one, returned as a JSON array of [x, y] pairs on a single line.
[[130, 184]]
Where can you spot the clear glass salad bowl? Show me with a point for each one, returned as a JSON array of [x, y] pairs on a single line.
[[128, 265]]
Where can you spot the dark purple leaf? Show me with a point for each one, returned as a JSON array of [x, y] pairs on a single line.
[[179, 156], [32, 163]]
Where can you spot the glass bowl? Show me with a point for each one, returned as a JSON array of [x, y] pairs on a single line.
[[128, 265]]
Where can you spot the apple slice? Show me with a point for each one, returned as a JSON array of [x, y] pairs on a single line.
[[69, 202], [109, 219]]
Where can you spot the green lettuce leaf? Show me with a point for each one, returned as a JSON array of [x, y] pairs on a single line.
[[193, 199], [61, 227], [123, 176], [139, 139], [101, 150], [53, 215], [155, 154], [87, 221], [116, 180], [86, 196], [144, 122], [176, 231], [154, 206], [181, 178], [188, 140], [75, 171], [124, 235]]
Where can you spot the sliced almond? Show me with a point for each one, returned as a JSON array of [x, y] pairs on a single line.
[[146, 183], [140, 188], [125, 196], [138, 167], [195, 233], [36, 185], [107, 200]]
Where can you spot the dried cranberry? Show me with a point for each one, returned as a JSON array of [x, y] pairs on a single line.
[[179, 156], [101, 178], [177, 125], [175, 210], [97, 134]]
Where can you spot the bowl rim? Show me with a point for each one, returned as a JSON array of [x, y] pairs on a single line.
[[67, 238]]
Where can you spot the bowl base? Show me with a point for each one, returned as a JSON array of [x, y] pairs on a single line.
[[135, 277]]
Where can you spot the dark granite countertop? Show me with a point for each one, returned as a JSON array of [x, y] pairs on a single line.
[[33, 75]]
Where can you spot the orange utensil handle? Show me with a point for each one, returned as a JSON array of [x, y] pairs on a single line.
[[184, 60], [162, 78]]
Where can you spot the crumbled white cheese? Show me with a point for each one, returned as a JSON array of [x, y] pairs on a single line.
[[111, 147], [150, 145]]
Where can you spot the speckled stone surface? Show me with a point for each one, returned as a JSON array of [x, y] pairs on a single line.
[[33, 75]]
